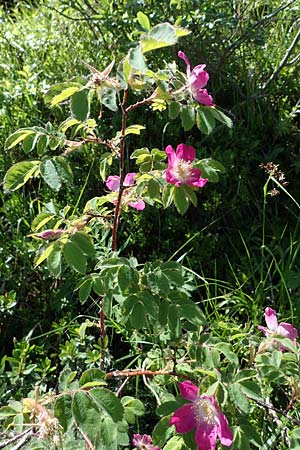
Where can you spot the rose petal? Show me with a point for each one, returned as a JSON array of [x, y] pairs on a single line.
[[206, 436], [186, 60], [199, 77], [184, 419], [185, 152], [129, 179], [287, 330], [203, 97], [271, 319], [138, 204], [113, 183], [188, 390], [264, 330]]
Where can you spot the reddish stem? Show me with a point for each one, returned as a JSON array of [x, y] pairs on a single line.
[[121, 171]]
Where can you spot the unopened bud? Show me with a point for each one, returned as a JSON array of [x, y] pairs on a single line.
[[50, 235]]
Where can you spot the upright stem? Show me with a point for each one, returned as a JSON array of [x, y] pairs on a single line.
[[121, 171]]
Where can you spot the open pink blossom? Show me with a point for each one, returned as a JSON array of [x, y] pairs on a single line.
[[274, 328], [180, 168], [203, 414], [197, 79], [113, 184], [143, 442]]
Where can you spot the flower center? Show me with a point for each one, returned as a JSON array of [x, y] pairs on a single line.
[[182, 170], [206, 412]]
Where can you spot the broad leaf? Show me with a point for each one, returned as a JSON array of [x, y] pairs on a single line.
[[162, 35], [80, 105], [74, 257], [18, 174]]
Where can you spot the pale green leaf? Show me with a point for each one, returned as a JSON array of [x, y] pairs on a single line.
[[143, 20], [162, 35], [18, 174]]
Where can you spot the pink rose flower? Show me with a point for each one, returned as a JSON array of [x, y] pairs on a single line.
[[203, 414], [197, 79], [180, 168], [113, 184], [274, 328]]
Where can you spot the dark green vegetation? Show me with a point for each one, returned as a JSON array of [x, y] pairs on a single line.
[[241, 243]]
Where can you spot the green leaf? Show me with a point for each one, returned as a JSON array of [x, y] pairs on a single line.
[[108, 402], [134, 129], [168, 194], [87, 415], [136, 59], [29, 142], [50, 174], [162, 35], [40, 220], [175, 443], [132, 408], [65, 378], [109, 98], [17, 137], [74, 257], [187, 115], [137, 316], [63, 169], [18, 174], [80, 105], [143, 20], [84, 242], [251, 389], [85, 290], [54, 261], [63, 95], [91, 376], [124, 277], [181, 201], [174, 321], [174, 109], [153, 188], [239, 398], [221, 117], [205, 120], [43, 254], [162, 431], [227, 351], [63, 411], [42, 144]]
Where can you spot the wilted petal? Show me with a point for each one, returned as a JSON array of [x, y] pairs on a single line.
[[129, 179], [206, 436], [188, 390], [185, 152], [287, 330], [184, 419], [271, 319], [138, 204], [113, 183]]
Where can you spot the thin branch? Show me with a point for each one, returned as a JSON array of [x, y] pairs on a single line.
[[279, 411], [24, 434], [86, 440], [121, 171]]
